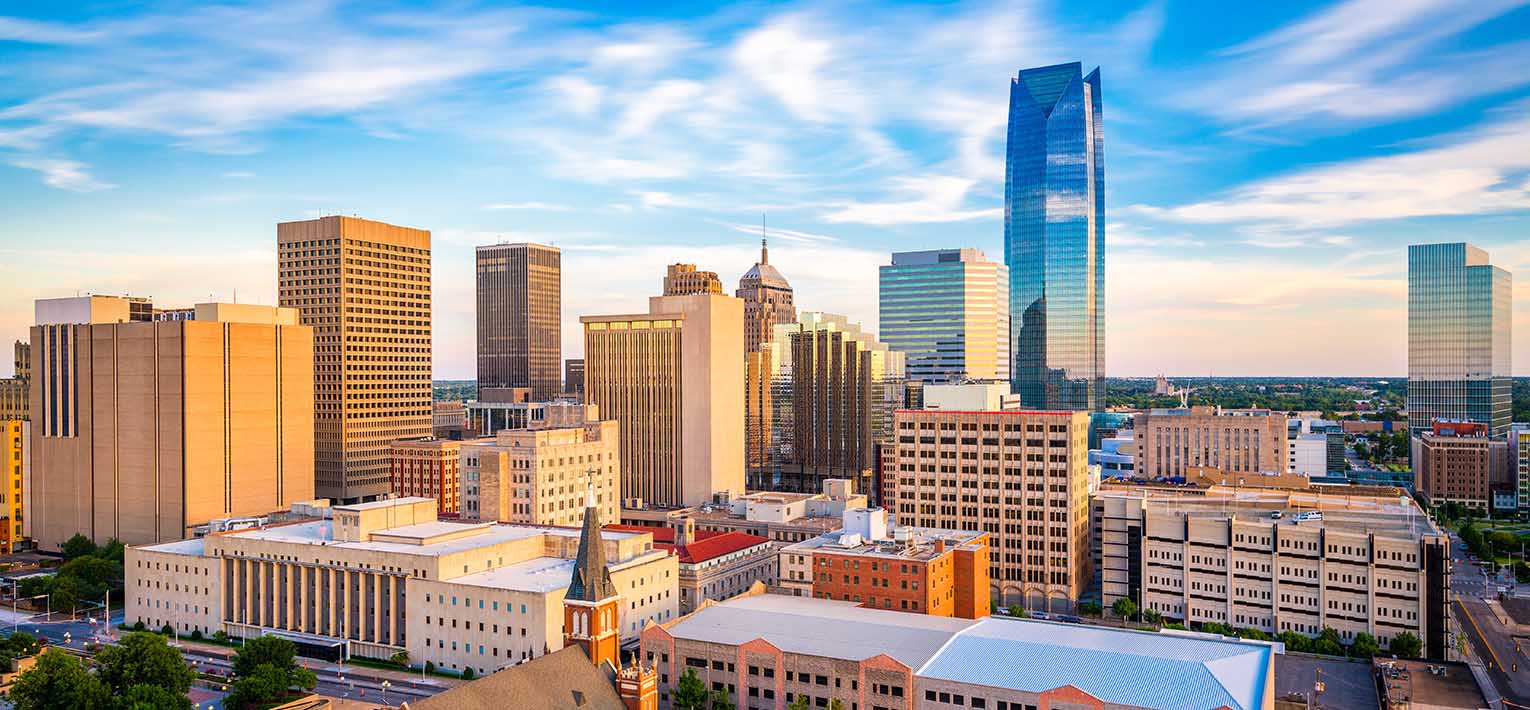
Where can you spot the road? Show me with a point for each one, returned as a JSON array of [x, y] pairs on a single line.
[[1487, 640], [336, 681]]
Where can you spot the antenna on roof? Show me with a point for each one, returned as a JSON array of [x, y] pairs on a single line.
[[764, 250]]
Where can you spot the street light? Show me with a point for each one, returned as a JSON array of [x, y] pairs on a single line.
[[385, 686]]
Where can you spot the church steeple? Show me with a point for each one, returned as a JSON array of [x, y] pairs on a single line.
[[592, 606], [592, 579]]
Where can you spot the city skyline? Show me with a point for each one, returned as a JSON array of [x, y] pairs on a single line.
[[1265, 179]]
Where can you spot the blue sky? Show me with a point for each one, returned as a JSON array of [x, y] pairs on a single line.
[[1265, 168]]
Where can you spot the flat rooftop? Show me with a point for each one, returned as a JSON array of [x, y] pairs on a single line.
[[1121, 667], [321, 532], [540, 575], [821, 627], [1431, 685], [921, 546], [1360, 512], [1131, 668]]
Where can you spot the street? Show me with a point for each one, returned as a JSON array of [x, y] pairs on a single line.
[[1487, 640]]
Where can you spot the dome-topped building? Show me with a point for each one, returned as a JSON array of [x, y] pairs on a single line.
[[767, 300]]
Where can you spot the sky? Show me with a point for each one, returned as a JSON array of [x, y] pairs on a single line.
[[1265, 168]]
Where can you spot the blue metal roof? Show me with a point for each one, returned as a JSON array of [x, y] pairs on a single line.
[[1139, 669]]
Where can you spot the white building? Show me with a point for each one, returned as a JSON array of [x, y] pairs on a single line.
[[1307, 454]]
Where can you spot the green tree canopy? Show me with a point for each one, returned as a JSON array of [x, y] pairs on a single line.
[[152, 697], [691, 693], [143, 658], [800, 703], [263, 684], [1405, 645], [274, 651], [721, 701], [59, 681], [1124, 608], [78, 546], [1364, 646]]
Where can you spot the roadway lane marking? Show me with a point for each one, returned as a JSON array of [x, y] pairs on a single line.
[[1481, 636]]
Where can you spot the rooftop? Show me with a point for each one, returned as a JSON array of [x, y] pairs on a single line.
[[919, 546], [708, 545], [821, 627], [321, 532], [1356, 509], [1123, 667]]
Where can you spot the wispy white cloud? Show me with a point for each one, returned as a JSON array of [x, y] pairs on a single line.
[[535, 206], [1362, 60], [63, 173], [924, 199], [1479, 171]]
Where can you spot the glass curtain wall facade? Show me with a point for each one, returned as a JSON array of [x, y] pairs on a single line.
[[947, 311], [1459, 337], [1054, 238]]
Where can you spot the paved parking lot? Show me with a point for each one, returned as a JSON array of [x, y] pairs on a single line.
[[1347, 685]]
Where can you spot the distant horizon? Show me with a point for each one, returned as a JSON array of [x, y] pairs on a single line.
[[1265, 170]]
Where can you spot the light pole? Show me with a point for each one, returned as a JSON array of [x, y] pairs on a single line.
[[385, 686]]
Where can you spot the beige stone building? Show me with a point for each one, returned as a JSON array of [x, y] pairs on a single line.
[[672, 378], [145, 430], [685, 280], [364, 287], [714, 565], [376, 578], [538, 476], [429, 468], [1172, 441], [1021, 476], [1356, 559], [14, 399], [784, 518], [520, 318]]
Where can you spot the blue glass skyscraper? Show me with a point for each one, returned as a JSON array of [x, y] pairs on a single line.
[[1459, 337], [1054, 238]]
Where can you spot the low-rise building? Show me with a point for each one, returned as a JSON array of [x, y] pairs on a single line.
[[1354, 559], [1307, 455], [881, 565], [1171, 441], [448, 420], [15, 439], [784, 518], [428, 468], [1458, 462], [537, 476], [374, 579], [1116, 457], [769, 650], [714, 564]]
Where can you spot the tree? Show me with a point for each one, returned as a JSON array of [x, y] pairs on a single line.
[[1405, 645], [1364, 646], [143, 659], [1089, 609], [152, 697], [1124, 608], [78, 546], [721, 701], [264, 684], [59, 681], [1016, 611], [1151, 616], [836, 704], [801, 703], [1295, 641], [401, 658], [468, 674], [1327, 647], [275, 651], [113, 550], [691, 693]]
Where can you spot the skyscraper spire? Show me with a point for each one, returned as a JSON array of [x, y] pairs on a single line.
[[764, 250]]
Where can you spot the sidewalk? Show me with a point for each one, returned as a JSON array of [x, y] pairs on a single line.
[[355, 672]]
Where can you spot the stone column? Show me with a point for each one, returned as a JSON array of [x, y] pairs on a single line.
[[379, 585], [395, 629], [299, 596], [233, 589], [345, 603], [292, 606], [332, 620]]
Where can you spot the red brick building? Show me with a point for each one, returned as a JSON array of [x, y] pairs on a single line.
[[428, 468]]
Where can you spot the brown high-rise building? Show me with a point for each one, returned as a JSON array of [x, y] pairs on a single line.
[[1170, 442], [767, 301], [685, 280], [832, 390], [1459, 462], [520, 338], [1021, 476], [145, 430], [365, 288], [671, 379]]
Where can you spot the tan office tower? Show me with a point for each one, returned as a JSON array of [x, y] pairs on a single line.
[[145, 430], [767, 301], [365, 288], [520, 312], [685, 280], [1022, 476], [671, 379], [1172, 441], [13, 390]]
